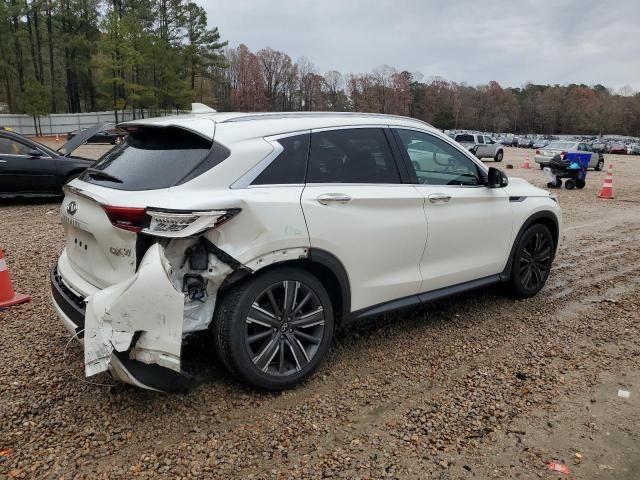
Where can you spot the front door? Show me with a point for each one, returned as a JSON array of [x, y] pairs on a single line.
[[468, 225], [357, 208]]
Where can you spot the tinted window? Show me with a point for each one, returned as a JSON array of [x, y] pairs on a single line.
[[11, 147], [488, 140], [290, 165], [466, 138], [480, 140], [358, 155], [436, 162], [153, 157]]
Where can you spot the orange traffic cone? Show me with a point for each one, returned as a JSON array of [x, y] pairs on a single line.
[[57, 138], [7, 295], [607, 187], [526, 162]]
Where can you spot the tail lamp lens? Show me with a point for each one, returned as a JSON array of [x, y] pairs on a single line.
[[125, 218]]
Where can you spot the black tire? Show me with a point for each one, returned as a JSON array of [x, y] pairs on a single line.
[[233, 330], [580, 183], [528, 278], [599, 166], [542, 166], [499, 156], [570, 184]]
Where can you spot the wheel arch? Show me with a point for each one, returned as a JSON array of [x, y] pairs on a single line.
[[325, 266], [546, 218]]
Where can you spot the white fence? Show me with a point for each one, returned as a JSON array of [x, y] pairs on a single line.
[[67, 122]]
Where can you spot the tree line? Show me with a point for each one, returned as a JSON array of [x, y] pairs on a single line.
[[89, 55]]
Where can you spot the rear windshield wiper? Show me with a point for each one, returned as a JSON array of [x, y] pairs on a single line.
[[102, 175]]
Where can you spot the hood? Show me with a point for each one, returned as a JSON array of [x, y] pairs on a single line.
[[81, 137]]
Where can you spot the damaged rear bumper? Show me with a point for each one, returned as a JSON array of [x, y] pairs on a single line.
[[134, 329]]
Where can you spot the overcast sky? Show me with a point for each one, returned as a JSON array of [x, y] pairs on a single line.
[[472, 41]]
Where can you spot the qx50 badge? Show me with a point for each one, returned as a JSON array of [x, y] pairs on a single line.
[[72, 208]]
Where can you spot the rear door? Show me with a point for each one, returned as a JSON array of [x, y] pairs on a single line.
[[357, 207], [468, 225]]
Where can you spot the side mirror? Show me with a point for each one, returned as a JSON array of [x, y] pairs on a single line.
[[33, 153], [474, 149], [496, 178]]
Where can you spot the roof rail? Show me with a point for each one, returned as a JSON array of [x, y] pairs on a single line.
[[279, 115]]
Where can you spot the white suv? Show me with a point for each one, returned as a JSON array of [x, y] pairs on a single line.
[[271, 230], [486, 147]]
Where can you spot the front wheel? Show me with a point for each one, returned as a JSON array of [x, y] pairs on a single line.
[[532, 261], [570, 184], [599, 166], [499, 156], [273, 331]]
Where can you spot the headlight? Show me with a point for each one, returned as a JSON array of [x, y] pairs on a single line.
[[554, 197], [185, 223]]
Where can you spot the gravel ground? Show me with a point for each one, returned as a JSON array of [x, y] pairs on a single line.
[[477, 386]]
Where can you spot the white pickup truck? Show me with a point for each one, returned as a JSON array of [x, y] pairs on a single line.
[[487, 147]]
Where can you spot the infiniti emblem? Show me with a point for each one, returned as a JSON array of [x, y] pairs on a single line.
[[72, 208]]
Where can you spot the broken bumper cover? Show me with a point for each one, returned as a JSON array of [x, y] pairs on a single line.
[[132, 329]]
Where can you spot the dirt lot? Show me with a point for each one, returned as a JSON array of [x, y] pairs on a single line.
[[479, 386]]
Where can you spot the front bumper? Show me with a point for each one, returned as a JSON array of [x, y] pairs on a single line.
[[71, 310]]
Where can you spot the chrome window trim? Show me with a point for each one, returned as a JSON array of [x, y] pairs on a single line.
[[247, 179]]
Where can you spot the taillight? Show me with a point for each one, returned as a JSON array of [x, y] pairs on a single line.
[[125, 218], [537, 152], [174, 223]]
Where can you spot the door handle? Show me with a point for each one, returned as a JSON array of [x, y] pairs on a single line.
[[328, 198], [439, 198]]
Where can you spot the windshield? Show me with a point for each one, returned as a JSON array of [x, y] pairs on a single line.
[[560, 145], [155, 157]]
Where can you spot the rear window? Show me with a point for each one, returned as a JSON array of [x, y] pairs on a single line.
[[465, 138], [155, 157], [560, 145]]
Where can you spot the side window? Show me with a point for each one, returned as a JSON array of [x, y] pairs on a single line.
[[436, 162], [11, 147], [480, 140], [356, 155], [488, 140], [587, 148], [290, 165]]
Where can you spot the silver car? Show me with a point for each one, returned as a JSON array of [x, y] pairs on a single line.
[[545, 154]]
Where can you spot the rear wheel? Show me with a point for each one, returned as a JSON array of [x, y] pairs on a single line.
[[275, 330], [499, 156], [532, 261], [580, 183], [599, 166]]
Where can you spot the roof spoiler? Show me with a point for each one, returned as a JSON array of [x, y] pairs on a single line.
[[201, 108]]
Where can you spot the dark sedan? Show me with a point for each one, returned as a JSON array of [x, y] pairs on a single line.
[[30, 169]]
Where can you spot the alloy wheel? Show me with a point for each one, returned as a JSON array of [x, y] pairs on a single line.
[[284, 328], [535, 261]]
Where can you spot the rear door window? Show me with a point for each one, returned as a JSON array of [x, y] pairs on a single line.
[[155, 157], [351, 155], [480, 140]]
